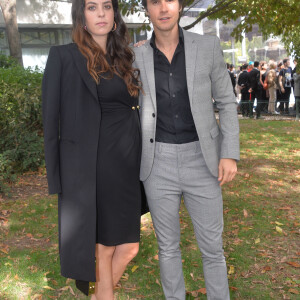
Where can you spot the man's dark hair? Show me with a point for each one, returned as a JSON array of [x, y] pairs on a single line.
[[285, 61], [228, 66], [144, 3], [256, 64], [279, 65], [244, 66], [231, 66]]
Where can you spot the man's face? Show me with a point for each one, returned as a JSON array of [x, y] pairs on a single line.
[[164, 14], [287, 64]]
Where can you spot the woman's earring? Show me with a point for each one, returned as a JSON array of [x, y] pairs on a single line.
[[85, 28], [115, 27]]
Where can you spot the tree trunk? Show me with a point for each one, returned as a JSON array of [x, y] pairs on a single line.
[[8, 8]]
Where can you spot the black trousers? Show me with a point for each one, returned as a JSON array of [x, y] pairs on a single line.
[[285, 100], [245, 104]]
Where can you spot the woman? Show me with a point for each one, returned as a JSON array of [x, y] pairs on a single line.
[[93, 146], [272, 87], [264, 97]]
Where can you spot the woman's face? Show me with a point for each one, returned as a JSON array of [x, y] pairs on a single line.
[[99, 19]]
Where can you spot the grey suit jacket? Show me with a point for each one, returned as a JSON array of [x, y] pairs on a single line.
[[207, 78]]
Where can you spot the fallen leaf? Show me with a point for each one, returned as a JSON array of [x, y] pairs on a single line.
[[278, 223], [17, 277], [71, 291], [156, 257], [233, 288], [257, 241], [4, 251], [293, 264], [265, 269], [278, 229], [245, 213], [202, 291], [157, 281], [69, 280], [134, 268], [48, 287], [231, 270], [36, 297], [293, 291]]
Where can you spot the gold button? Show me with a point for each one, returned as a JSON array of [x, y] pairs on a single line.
[[138, 107], [133, 107]]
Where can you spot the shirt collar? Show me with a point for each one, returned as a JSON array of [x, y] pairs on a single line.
[[181, 38]]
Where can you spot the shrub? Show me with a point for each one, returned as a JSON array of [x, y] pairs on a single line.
[[21, 142]]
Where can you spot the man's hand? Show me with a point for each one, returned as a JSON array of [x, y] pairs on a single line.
[[227, 170], [282, 90]]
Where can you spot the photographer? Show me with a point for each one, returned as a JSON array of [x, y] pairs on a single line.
[[285, 83]]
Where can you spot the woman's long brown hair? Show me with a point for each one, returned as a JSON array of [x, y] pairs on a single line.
[[117, 48]]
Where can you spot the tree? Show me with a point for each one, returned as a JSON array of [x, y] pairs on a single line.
[[8, 8], [274, 17]]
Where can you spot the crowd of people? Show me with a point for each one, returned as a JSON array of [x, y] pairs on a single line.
[[270, 84]]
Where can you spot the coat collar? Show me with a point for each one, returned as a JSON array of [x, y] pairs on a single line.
[[81, 64]]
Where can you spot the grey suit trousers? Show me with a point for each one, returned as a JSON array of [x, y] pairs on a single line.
[[180, 170]]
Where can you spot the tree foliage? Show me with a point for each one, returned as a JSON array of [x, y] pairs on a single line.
[[274, 17]]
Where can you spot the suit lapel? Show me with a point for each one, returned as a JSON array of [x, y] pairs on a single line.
[[81, 64], [149, 70], [190, 49]]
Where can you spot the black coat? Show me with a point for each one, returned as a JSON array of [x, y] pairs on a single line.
[[244, 82], [254, 79], [71, 118]]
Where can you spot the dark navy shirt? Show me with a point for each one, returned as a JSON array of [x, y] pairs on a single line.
[[175, 123]]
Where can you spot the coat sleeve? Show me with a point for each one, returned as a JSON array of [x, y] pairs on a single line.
[[51, 111], [226, 103]]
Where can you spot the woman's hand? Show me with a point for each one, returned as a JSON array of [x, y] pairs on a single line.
[[140, 43]]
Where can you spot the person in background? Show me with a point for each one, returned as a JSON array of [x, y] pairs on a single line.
[[264, 95], [296, 77], [272, 88], [244, 84], [255, 89], [232, 76], [278, 91], [285, 83], [293, 72]]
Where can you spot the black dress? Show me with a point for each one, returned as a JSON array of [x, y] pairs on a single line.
[[118, 165]]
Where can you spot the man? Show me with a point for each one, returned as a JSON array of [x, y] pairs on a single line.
[[285, 83], [185, 152], [244, 84], [232, 76], [255, 89]]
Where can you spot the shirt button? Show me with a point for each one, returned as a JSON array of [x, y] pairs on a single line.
[[176, 116], [153, 115], [171, 74], [151, 140], [173, 95]]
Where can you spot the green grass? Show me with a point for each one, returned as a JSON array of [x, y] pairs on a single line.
[[266, 190]]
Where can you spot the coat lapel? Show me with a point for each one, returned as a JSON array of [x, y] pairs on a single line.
[[81, 64], [149, 68], [190, 49]]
